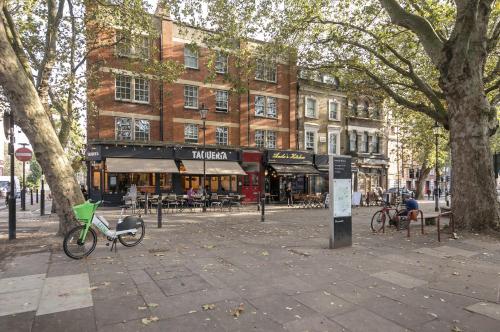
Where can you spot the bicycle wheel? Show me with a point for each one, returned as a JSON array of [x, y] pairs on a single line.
[[132, 239], [378, 221], [72, 246]]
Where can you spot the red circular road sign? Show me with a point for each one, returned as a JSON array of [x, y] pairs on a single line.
[[23, 154]]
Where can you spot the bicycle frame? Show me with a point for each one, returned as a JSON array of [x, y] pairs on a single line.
[[103, 227]]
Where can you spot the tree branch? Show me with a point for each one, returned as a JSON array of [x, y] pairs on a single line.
[[430, 40], [16, 43], [494, 36]]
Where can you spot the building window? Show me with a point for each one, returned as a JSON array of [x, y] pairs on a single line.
[[142, 130], [265, 71], [354, 109], [260, 106], [333, 110], [271, 107], [266, 139], [190, 57], [139, 47], [123, 129], [123, 87], [366, 109], [310, 107], [221, 100], [352, 141], [271, 139], [333, 140], [124, 132], [376, 144], [190, 96], [141, 90], [221, 136], [266, 107], [310, 140], [190, 133], [129, 88], [221, 63], [259, 138]]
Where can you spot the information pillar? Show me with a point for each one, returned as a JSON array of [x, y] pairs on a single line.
[[340, 201]]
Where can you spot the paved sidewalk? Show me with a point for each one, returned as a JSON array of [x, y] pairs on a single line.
[[230, 272]]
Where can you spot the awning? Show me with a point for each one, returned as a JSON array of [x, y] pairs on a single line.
[[291, 169], [136, 165], [212, 167]]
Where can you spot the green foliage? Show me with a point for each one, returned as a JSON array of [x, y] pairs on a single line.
[[33, 179]]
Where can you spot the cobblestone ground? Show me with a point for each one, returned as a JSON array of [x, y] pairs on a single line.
[[227, 271]]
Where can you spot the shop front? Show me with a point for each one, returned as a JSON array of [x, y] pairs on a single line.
[[223, 173], [371, 178], [114, 169], [319, 183], [284, 167], [252, 181]]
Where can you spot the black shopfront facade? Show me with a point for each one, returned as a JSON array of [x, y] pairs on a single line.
[[114, 168], [283, 167]]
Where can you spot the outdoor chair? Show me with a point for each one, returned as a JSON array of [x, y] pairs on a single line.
[[214, 201]]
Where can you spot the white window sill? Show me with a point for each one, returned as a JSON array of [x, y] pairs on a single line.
[[131, 56], [191, 107], [132, 101], [336, 120], [221, 72], [195, 68], [221, 110], [263, 80]]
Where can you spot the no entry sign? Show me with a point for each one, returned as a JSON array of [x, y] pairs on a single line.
[[23, 154]]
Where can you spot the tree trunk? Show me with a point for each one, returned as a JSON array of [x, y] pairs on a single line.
[[30, 115], [424, 173], [473, 188]]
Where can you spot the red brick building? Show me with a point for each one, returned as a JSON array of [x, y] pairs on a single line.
[[141, 129]]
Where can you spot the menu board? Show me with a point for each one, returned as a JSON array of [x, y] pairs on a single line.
[[341, 198]]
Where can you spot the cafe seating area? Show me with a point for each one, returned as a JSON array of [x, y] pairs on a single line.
[[173, 203]]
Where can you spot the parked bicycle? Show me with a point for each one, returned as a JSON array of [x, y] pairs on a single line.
[[386, 214], [82, 240]]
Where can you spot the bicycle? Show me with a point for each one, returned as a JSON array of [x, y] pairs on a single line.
[[129, 231], [386, 213]]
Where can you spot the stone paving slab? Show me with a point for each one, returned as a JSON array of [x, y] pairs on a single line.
[[361, 319], [65, 293], [399, 279], [454, 251], [18, 302], [15, 284], [488, 309]]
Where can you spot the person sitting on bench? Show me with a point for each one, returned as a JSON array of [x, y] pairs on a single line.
[[404, 215]]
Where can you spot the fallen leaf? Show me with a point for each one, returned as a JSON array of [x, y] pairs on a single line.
[[192, 312], [93, 288], [209, 246], [264, 253], [152, 305], [63, 294], [456, 329], [433, 314], [237, 311], [106, 283], [158, 255], [210, 306], [147, 321], [455, 273], [142, 308]]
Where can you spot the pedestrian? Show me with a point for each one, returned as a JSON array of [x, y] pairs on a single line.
[[190, 194], [288, 192], [435, 192], [429, 194], [84, 192]]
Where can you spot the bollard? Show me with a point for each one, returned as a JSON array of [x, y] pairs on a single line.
[[23, 199], [31, 196], [258, 201], [36, 196], [263, 209], [42, 202], [146, 203], [159, 211]]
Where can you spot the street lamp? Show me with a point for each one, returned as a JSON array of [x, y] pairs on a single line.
[[203, 116], [436, 130]]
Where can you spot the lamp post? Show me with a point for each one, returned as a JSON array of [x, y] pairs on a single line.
[[203, 116], [436, 130]]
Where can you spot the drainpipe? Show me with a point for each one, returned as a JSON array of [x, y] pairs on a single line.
[[161, 81]]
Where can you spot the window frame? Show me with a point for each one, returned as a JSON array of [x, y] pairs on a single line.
[[306, 140], [225, 63], [335, 102], [133, 50], [222, 109], [335, 133], [132, 89], [197, 89], [315, 116], [133, 134], [225, 134], [267, 69], [194, 130], [265, 139], [195, 55]]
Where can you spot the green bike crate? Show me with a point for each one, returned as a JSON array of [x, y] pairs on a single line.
[[85, 211]]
